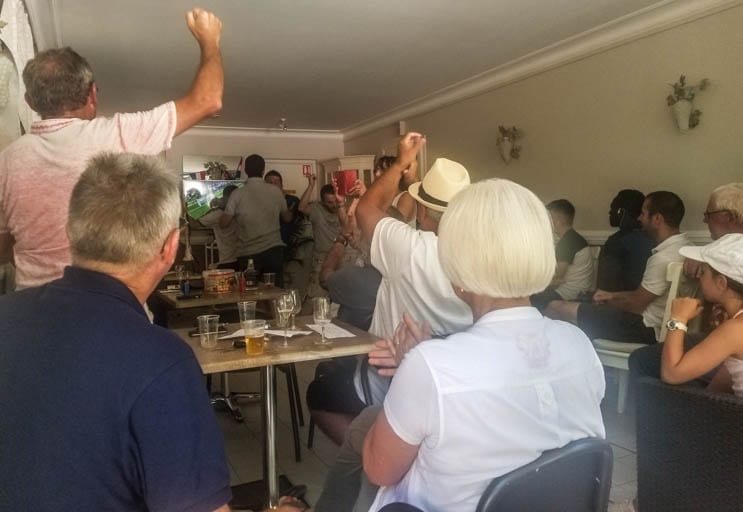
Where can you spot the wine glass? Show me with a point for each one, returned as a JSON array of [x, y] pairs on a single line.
[[297, 307], [321, 314], [284, 308]]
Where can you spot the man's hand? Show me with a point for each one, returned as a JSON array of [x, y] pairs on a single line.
[[408, 148], [684, 309], [693, 268], [205, 27], [358, 189], [602, 296]]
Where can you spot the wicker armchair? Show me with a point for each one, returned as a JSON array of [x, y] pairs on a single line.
[[689, 449]]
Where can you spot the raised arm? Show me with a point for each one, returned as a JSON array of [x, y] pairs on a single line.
[[205, 96], [304, 201], [374, 204]]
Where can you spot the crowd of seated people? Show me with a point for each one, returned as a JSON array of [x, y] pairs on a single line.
[[468, 381]]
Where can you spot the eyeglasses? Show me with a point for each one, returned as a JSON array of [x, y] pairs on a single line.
[[708, 213]]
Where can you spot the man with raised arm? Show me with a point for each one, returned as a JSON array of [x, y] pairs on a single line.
[[39, 170]]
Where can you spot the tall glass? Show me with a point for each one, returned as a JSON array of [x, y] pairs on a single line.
[[297, 307], [321, 315], [284, 307]]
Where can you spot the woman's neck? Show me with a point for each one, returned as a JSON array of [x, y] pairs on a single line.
[[481, 305], [732, 305]]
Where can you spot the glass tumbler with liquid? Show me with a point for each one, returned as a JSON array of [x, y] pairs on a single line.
[[254, 332]]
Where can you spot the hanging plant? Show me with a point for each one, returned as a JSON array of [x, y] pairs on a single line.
[[506, 143], [681, 100]]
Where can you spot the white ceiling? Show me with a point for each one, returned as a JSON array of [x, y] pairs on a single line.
[[322, 64]]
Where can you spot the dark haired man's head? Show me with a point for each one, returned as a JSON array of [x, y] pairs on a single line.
[[383, 163], [227, 192], [661, 214], [254, 166], [328, 199], [626, 208], [274, 178]]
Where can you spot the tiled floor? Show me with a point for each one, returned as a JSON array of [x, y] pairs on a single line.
[[244, 446]]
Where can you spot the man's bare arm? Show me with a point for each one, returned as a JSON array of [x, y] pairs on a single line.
[[304, 201], [378, 198], [634, 301], [205, 96]]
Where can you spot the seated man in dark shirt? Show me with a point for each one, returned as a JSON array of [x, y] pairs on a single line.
[[574, 270], [622, 259], [100, 409]]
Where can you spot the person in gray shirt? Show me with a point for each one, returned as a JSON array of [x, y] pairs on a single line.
[[257, 208], [325, 216]]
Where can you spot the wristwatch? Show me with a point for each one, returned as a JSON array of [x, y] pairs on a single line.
[[341, 240], [675, 325]]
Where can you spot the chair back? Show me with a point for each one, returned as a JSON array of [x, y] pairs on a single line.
[[576, 477], [681, 286]]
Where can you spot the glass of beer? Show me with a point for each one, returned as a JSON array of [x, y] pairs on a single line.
[[254, 332]]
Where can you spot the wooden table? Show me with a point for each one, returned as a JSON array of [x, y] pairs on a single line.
[[301, 348]]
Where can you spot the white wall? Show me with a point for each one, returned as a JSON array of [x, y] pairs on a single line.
[[270, 144], [600, 124]]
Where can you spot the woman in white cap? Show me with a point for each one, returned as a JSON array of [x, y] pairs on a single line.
[[721, 281], [494, 396]]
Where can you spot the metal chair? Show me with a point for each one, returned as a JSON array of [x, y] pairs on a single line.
[[576, 477]]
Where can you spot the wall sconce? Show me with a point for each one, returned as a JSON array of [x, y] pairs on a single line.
[[506, 143]]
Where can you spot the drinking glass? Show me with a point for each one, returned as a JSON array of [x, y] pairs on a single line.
[[246, 309], [254, 331], [208, 330], [269, 279], [321, 315], [284, 307], [297, 306]]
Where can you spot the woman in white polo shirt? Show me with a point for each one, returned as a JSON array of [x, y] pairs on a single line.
[[491, 398]]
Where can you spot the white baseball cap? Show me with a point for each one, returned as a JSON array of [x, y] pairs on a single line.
[[724, 255]]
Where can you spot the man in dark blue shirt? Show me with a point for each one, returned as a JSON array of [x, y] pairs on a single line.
[[100, 409]]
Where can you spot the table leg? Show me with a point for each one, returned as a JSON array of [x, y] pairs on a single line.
[[270, 430]]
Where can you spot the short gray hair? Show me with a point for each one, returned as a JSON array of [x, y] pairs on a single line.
[[495, 239], [57, 80], [122, 209], [729, 197]]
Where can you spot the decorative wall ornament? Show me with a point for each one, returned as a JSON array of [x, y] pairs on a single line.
[[506, 143], [681, 102]]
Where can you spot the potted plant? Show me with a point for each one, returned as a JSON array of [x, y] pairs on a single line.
[[215, 170], [506, 143], [681, 100]]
